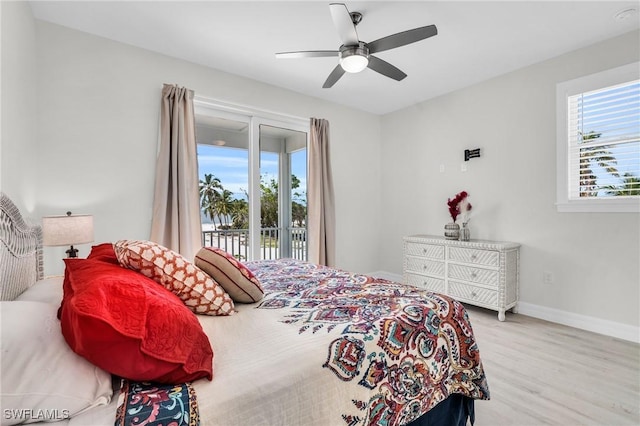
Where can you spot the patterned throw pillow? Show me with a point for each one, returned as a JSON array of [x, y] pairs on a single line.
[[236, 279], [195, 288]]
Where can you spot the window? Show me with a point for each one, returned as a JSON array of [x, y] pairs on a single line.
[[598, 142], [253, 174]]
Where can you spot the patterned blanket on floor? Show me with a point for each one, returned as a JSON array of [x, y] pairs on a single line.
[[401, 349], [152, 404]]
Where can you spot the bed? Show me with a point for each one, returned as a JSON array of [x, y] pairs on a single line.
[[322, 346]]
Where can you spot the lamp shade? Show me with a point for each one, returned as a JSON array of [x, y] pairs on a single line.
[[67, 230]]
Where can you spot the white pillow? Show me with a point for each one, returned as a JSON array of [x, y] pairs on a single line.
[[42, 378], [48, 290]]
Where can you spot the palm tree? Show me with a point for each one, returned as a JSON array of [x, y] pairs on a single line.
[[224, 204], [590, 155], [630, 186], [210, 189], [240, 214]]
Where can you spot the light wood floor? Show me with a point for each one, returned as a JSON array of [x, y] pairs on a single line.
[[541, 373]]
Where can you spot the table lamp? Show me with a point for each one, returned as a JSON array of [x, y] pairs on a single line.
[[67, 231]]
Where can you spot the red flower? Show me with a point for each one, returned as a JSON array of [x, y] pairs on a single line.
[[454, 205]]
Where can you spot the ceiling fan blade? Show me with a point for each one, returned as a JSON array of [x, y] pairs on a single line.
[[335, 75], [402, 39], [344, 24], [307, 54], [385, 68]]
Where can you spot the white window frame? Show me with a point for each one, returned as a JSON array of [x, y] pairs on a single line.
[[564, 90]]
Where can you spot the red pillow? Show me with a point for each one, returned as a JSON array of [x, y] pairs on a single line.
[[128, 325], [104, 252]]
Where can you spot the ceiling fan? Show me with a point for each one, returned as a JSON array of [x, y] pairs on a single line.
[[356, 55]]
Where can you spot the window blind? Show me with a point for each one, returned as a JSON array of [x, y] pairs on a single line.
[[604, 142]]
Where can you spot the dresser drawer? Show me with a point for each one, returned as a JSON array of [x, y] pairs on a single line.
[[480, 257], [476, 275], [424, 266], [473, 294], [431, 251], [426, 283]]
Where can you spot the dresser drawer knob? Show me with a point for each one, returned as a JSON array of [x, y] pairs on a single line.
[[473, 257], [473, 294], [474, 274], [424, 251]]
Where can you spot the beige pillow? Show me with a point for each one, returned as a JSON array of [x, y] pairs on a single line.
[[195, 288], [232, 275], [42, 378]]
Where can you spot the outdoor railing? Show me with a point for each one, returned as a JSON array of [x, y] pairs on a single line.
[[299, 243], [236, 242]]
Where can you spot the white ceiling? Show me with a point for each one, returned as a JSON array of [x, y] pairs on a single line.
[[476, 40]]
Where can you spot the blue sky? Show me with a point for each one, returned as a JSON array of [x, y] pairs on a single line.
[[231, 166]]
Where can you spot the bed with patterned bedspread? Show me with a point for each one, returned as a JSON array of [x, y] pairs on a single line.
[[398, 349], [329, 347]]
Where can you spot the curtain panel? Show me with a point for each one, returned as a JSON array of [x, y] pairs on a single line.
[[320, 203], [176, 204]]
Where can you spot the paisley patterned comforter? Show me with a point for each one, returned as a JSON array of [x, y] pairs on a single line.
[[400, 350]]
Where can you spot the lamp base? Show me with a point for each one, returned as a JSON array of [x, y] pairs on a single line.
[[72, 252]]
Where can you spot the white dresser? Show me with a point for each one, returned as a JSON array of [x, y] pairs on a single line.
[[478, 272]]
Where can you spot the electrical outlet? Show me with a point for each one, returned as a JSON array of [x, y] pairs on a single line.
[[441, 168], [463, 167], [547, 277]]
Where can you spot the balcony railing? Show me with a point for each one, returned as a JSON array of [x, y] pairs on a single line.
[[236, 242]]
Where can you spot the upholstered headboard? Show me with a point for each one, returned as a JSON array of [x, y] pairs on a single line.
[[20, 251]]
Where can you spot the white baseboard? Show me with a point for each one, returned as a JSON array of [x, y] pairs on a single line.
[[583, 322]]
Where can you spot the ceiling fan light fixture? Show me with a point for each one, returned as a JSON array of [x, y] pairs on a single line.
[[354, 59], [356, 55], [354, 63]]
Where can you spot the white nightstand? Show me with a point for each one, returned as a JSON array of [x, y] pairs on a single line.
[[478, 272]]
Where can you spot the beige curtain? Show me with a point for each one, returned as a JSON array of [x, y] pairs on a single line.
[[176, 204], [320, 203]]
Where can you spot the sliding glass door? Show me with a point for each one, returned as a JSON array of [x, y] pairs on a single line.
[[223, 170], [253, 173], [283, 204]]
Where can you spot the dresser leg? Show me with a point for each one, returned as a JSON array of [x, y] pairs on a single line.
[[501, 316], [515, 309]]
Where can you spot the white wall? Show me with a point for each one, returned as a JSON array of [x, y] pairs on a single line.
[[96, 121], [18, 88], [593, 257], [98, 104]]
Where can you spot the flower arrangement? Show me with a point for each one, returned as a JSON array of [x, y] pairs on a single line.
[[459, 205]]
